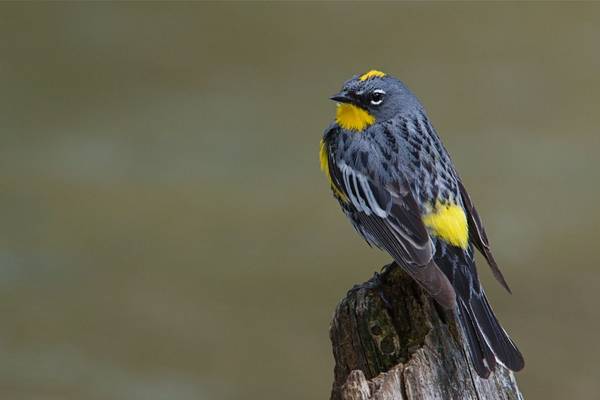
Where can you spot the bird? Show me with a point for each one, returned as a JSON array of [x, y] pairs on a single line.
[[395, 181]]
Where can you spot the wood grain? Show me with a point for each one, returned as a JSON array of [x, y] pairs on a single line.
[[391, 341]]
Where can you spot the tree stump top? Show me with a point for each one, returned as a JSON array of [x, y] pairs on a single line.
[[392, 341]]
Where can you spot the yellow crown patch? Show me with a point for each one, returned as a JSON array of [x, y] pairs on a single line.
[[371, 74]]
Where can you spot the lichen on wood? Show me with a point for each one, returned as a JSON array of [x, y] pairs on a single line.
[[391, 341]]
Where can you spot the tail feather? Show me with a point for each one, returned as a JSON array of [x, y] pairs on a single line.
[[495, 336], [488, 343], [482, 356]]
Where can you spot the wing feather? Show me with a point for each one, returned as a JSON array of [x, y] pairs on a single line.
[[389, 216], [479, 237]]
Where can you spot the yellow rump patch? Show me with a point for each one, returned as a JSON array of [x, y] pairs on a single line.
[[324, 158], [371, 74], [353, 118], [449, 223]]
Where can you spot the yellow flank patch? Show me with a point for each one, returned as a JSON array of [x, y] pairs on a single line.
[[371, 74], [353, 118], [449, 223], [324, 158]]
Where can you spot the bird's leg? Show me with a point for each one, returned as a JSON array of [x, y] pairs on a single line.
[[386, 270], [380, 279], [378, 282]]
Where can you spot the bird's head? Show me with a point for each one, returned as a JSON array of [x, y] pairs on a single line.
[[372, 97]]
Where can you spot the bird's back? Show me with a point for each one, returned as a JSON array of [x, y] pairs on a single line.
[[396, 182], [404, 147]]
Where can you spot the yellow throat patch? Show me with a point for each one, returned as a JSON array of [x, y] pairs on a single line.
[[324, 158], [353, 118], [449, 223], [371, 74]]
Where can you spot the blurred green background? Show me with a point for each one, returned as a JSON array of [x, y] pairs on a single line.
[[166, 231]]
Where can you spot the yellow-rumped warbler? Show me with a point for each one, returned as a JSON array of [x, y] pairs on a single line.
[[395, 181]]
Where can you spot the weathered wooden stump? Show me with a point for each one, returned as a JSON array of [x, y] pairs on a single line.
[[391, 341]]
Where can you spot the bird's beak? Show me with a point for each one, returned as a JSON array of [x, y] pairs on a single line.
[[342, 97]]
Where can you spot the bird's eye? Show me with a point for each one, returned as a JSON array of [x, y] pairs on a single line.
[[377, 97]]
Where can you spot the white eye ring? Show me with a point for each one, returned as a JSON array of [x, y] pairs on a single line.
[[378, 102]]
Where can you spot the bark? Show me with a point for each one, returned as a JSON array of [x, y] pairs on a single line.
[[392, 341]]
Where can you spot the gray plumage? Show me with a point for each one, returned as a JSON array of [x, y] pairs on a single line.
[[386, 178]]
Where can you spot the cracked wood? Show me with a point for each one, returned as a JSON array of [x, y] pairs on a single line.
[[392, 342]]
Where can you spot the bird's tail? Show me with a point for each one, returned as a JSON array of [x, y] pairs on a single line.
[[488, 341]]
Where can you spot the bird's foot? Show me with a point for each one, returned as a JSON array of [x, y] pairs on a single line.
[[378, 283]]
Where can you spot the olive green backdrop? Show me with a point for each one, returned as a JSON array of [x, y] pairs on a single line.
[[166, 232]]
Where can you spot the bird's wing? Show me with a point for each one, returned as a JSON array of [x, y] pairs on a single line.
[[389, 216], [479, 237]]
